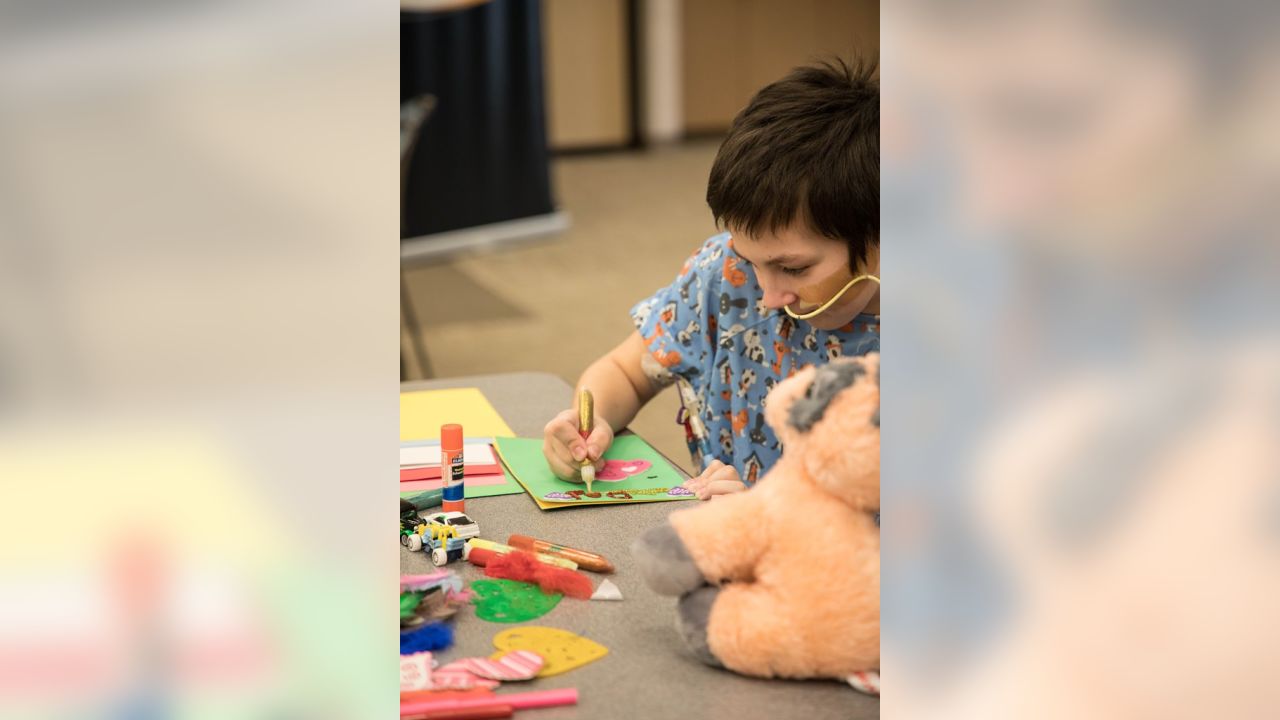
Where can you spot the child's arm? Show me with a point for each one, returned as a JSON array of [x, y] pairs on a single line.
[[619, 382], [620, 388]]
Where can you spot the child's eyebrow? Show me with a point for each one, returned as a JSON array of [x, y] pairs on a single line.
[[784, 259], [777, 261]]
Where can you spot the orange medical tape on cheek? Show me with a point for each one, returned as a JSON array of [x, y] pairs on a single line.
[[821, 291]]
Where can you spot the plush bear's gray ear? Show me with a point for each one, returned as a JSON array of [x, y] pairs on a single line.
[[841, 450], [827, 383]]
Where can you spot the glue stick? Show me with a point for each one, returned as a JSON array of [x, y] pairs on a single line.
[[451, 467]]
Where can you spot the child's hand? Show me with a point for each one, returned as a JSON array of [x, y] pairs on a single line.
[[564, 448], [717, 479]]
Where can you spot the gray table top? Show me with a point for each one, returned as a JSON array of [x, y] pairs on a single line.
[[647, 673]]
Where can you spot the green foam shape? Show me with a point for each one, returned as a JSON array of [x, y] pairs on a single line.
[[509, 601], [409, 603]]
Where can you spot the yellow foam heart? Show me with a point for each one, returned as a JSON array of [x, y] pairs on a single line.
[[562, 649]]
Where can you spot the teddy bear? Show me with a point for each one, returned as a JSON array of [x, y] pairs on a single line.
[[783, 580]]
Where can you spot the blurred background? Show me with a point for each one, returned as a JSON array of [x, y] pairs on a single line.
[[198, 265], [200, 241], [1079, 467], [556, 158]]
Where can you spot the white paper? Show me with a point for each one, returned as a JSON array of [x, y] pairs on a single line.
[[479, 453]]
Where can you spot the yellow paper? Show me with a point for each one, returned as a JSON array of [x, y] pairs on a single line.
[[423, 412], [562, 649]]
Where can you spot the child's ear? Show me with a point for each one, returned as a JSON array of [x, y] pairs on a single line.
[[870, 262]]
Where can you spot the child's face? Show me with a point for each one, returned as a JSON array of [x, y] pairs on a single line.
[[799, 268]]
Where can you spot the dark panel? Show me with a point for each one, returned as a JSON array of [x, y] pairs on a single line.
[[482, 155]]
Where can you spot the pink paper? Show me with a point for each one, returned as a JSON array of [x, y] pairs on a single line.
[[477, 480]]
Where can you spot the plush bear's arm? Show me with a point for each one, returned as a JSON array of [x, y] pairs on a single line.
[[664, 563], [725, 536]]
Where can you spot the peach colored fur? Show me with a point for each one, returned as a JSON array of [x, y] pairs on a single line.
[[800, 550]]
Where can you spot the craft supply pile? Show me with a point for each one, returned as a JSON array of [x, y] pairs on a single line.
[[524, 579]]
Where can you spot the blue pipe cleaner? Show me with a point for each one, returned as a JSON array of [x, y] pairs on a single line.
[[432, 636]]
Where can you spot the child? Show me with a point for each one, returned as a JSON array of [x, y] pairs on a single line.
[[797, 185]]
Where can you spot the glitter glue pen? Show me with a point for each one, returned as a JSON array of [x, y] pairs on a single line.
[[586, 560], [586, 417], [451, 467]]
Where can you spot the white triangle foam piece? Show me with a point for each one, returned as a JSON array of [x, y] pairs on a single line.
[[607, 591]]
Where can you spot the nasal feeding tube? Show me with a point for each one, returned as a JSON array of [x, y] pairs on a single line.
[[834, 299]]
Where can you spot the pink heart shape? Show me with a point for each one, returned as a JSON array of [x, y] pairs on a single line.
[[615, 470], [514, 666], [457, 675]]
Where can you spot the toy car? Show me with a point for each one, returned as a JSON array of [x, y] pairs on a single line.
[[464, 526], [421, 533], [409, 523], [446, 551], [442, 540]]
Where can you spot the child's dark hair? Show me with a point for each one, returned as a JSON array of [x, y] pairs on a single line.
[[806, 146]]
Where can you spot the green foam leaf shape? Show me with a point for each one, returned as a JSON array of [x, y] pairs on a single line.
[[509, 601]]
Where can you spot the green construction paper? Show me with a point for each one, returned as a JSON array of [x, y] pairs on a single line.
[[478, 491], [509, 601], [660, 481]]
